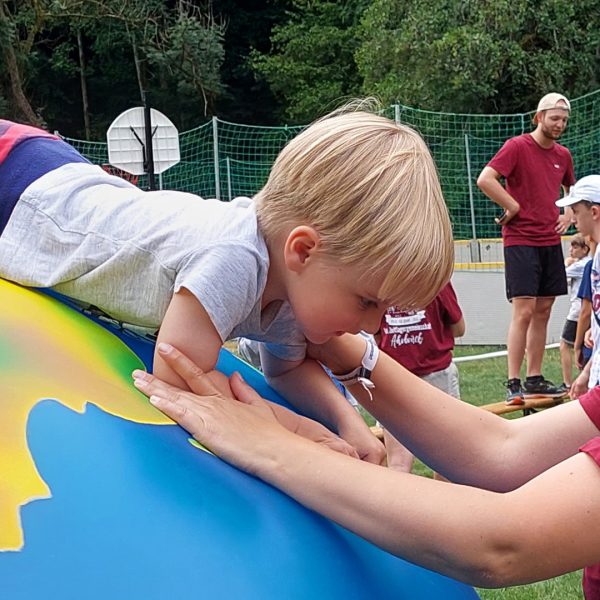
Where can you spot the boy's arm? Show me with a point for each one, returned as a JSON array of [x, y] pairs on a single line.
[[583, 324], [306, 386], [188, 327]]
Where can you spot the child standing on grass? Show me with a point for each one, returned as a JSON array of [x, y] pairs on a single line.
[[574, 266], [324, 248], [422, 341]]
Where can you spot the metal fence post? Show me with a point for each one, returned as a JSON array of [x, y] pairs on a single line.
[[475, 255], [228, 165], [396, 112], [216, 159]]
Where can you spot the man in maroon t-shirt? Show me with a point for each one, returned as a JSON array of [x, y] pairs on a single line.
[[534, 168]]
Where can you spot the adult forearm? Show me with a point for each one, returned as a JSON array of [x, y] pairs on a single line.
[[452, 529], [494, 190], [462, 442]]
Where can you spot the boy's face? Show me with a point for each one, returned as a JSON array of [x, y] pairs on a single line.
[[330, 299], [576, 251], [582, 218]]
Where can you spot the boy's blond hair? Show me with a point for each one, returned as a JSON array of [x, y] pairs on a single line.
[[370, 188]]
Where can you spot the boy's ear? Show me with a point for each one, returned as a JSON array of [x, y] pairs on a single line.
[[301, 244]]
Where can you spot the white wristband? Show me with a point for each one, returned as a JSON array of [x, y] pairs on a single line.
[[362, 374]]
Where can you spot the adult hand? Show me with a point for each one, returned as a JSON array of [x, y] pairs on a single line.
[[509, 214], [226, 418], [562, 224]]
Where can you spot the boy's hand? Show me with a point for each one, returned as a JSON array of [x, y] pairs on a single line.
[[368, 447]]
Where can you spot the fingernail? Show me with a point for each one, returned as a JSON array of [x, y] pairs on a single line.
[[139, 374], [154, 399], [140, 383], [238, 376], [164, 348]]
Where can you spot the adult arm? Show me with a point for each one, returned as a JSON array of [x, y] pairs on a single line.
[[461, 442], [306, 386], [452, 529], [489, 183]]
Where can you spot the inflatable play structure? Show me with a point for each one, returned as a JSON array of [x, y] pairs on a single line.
[[102, 497]]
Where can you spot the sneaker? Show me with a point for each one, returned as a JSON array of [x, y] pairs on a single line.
[[538, 387], [514, 393], [564, 388]]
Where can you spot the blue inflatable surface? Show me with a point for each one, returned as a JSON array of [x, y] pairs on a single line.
[[137, 512]]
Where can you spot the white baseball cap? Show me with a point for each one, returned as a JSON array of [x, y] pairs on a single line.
[[587, 188], [553, 100], [550, 101]]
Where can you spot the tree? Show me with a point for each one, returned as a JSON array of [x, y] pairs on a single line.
[[15, 50], [311, 65], [188, 51], [472, 56]]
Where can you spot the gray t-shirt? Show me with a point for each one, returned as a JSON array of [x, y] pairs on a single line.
[[100, 240]]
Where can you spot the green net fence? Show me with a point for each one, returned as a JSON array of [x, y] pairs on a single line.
[[224, 160]]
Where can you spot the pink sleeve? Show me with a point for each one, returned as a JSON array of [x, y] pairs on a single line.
[[592, 448], [590, 402]]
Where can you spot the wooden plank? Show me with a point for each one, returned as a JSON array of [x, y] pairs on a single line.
[[501, 408], [531, 404]]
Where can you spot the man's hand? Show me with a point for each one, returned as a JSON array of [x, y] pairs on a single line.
[[508, 214], [563, 223]]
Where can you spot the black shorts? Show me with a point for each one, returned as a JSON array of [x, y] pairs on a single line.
[[534, 271], [569, 332]]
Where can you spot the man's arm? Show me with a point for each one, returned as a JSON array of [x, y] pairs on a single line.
[[306, 386], [489, 183]]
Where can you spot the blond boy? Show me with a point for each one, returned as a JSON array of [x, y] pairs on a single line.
[[324, 248]]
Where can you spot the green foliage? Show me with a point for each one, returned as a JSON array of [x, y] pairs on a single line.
[[188, 54], [471, 56], [263, 61], [311, 65]]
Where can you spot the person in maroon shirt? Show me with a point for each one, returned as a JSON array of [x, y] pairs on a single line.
[[522, 504], [534, 167], [422, 341]]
